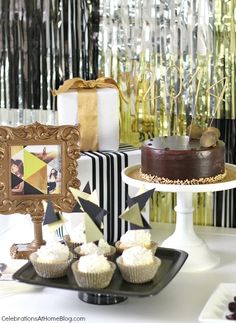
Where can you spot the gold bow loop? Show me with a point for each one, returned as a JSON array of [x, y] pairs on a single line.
[[77, 83]]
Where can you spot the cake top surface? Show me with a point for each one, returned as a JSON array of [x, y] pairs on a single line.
[[176, 143]]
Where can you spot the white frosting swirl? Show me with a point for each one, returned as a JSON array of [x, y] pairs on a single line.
[[136, 256], [93, 264], [53, 251], [136, 238], [88, 248], [91, 248]]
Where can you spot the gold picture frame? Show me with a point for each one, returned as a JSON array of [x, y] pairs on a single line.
[[37, 149]]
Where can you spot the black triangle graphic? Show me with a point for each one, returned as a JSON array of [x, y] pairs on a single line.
[[29, 189], [140, 199], [95, 212], [146, 225], [77, 208], [87, 188], [15, 180], [50, 215]]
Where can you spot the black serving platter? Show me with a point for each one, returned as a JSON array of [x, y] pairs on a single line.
[[171, 262]]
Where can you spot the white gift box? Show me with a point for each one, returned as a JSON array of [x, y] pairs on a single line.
[[103, 172], [108, 104]]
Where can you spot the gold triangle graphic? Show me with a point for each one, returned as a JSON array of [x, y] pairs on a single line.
[[39, 179], [15, 150], [91, 230], [133, 215], [31, 164]]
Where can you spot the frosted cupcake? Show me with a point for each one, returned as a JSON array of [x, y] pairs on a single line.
[[138, 265], [93, 271], [103, 248], [76, 238], [134, 238], [51, 260]]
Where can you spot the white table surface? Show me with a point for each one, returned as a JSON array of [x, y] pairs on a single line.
[[180, 301]]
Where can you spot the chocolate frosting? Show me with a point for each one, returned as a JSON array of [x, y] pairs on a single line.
[[177, 157]]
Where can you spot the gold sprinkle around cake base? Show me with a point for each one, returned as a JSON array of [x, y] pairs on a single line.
[[163, 180]]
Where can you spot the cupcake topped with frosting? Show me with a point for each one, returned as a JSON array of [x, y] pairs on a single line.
[[88, 248], [102, 248], [93, 271], [51, 260], [138, 265], [136, 256], [93, 264], [75, 238], [135, 238], [53, 251]]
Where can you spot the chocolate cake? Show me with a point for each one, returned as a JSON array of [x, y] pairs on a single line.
[[180, 160]]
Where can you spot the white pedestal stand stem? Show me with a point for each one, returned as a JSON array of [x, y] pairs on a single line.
[[200, 257]]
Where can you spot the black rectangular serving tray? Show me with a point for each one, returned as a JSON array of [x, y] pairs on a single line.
[[171, 262]]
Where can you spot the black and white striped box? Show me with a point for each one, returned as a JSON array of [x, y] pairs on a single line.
[[103, 171]]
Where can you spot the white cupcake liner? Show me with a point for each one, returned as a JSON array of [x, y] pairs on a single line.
[[120, 247], [53, 269], [138, 274], [93, 280]]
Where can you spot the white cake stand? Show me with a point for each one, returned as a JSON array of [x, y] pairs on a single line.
[[184, 237]]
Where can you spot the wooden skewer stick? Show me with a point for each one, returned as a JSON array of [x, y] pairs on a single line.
[[220, 98]]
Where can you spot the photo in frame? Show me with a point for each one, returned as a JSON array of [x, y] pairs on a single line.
[[37, 163], [35, 169]]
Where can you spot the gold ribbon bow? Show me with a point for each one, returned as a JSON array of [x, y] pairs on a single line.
[[78, 83], [87, 103]]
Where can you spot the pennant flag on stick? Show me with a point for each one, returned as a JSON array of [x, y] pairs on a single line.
[[87, 202], [52, 219], [133, 213]]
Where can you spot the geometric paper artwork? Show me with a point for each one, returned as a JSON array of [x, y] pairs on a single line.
[[133, 213], [36, 169]]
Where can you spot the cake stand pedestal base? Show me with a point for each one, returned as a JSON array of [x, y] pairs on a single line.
[[200, 257], [100, 299]]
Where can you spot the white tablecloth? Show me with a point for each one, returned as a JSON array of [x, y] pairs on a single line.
[[180, 301]]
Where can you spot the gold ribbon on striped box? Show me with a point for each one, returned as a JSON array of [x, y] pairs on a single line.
[[88, 107]]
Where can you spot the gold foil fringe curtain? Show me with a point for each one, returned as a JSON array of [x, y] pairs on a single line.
[[156, 49], [161, 48]]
